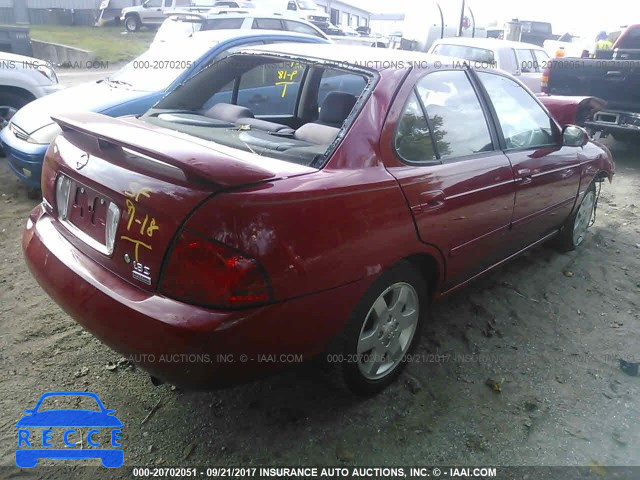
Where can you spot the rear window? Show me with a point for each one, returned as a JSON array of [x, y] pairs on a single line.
[[473, 54], [267, 24], [223, 24], [289, 110], [631, 41], [536, 27]]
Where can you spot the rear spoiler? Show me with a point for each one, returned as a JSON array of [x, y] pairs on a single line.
[[199, 161]]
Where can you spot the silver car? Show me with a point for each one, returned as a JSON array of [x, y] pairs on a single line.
[[524, 61]]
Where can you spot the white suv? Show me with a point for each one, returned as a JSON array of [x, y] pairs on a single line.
[[23, 79], [180, 24]]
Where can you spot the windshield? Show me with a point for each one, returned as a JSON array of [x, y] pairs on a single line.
[[159, 66], [473, 54], [307, 5]]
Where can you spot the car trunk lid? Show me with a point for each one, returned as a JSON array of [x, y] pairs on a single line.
[[127, 187]]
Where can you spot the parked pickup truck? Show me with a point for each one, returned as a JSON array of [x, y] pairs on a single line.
[[614, 79], [153, 12]]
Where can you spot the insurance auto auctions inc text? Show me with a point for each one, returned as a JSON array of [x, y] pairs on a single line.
[[364, 472]]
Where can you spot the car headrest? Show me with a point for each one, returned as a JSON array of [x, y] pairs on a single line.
[[228, 112], [316, 134], [336, 108]]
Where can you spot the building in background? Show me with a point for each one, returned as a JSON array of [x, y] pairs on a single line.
[[343, 13], [57, 12]]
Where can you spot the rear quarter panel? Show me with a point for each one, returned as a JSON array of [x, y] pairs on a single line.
[[315, 232]]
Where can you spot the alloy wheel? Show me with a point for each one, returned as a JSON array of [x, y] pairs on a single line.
[[388, 331]]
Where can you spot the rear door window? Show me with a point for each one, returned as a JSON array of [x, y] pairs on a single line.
[[267, 24], [455, 116], [223, 24], [413, 140]]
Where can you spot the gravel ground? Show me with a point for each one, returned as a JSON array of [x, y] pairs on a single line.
[[549, 328]]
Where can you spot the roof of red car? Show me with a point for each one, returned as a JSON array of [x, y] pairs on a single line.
[[359, 56]]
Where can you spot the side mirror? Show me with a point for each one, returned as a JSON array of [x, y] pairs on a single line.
[[292, 6], [145, 4], [574, 136]]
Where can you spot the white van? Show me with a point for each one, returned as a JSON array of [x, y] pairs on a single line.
[[304, 9]]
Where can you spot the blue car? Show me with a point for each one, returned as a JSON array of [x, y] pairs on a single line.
[[27, 455], [130, 91]]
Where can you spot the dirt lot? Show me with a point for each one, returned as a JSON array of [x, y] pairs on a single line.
[[548, 327]]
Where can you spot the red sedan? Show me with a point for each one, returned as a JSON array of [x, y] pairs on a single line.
[[294, 200]]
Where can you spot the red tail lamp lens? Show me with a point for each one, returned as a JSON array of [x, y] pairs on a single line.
[[206, 273]]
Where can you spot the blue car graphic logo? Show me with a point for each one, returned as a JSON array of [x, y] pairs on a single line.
[[34, 446]]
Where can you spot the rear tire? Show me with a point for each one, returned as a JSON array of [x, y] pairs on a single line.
[[10, 103], [384, 327], [132, 23], [575, 229]]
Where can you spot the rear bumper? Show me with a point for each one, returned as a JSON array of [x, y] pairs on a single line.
[[612, 121], [182, 344], [24, 158]]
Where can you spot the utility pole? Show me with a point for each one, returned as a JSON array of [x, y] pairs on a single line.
[[460, 26]]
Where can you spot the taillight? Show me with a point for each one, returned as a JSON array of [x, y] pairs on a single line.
[[545, 79], [63, 187], [210, 274]]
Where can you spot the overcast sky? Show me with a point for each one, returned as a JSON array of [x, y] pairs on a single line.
[[575, 16]]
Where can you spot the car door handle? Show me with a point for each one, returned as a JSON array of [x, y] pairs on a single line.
[[258, 99], [614, 74], [524, 176], [429, 201]]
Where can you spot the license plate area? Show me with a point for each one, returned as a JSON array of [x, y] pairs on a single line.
[[90, 216]]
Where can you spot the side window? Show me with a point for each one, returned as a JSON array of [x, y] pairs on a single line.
[[413, 138], [271, 89], [223, 24], [167, 3], [224, 95], [526, 62], [454, 114], [523, 122], [183, 3], [267, 24], [155, 3], [298, 27], [542, 59]]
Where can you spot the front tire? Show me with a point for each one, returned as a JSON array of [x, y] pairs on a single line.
[[132, 23], [575, 230], [384, 327]]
